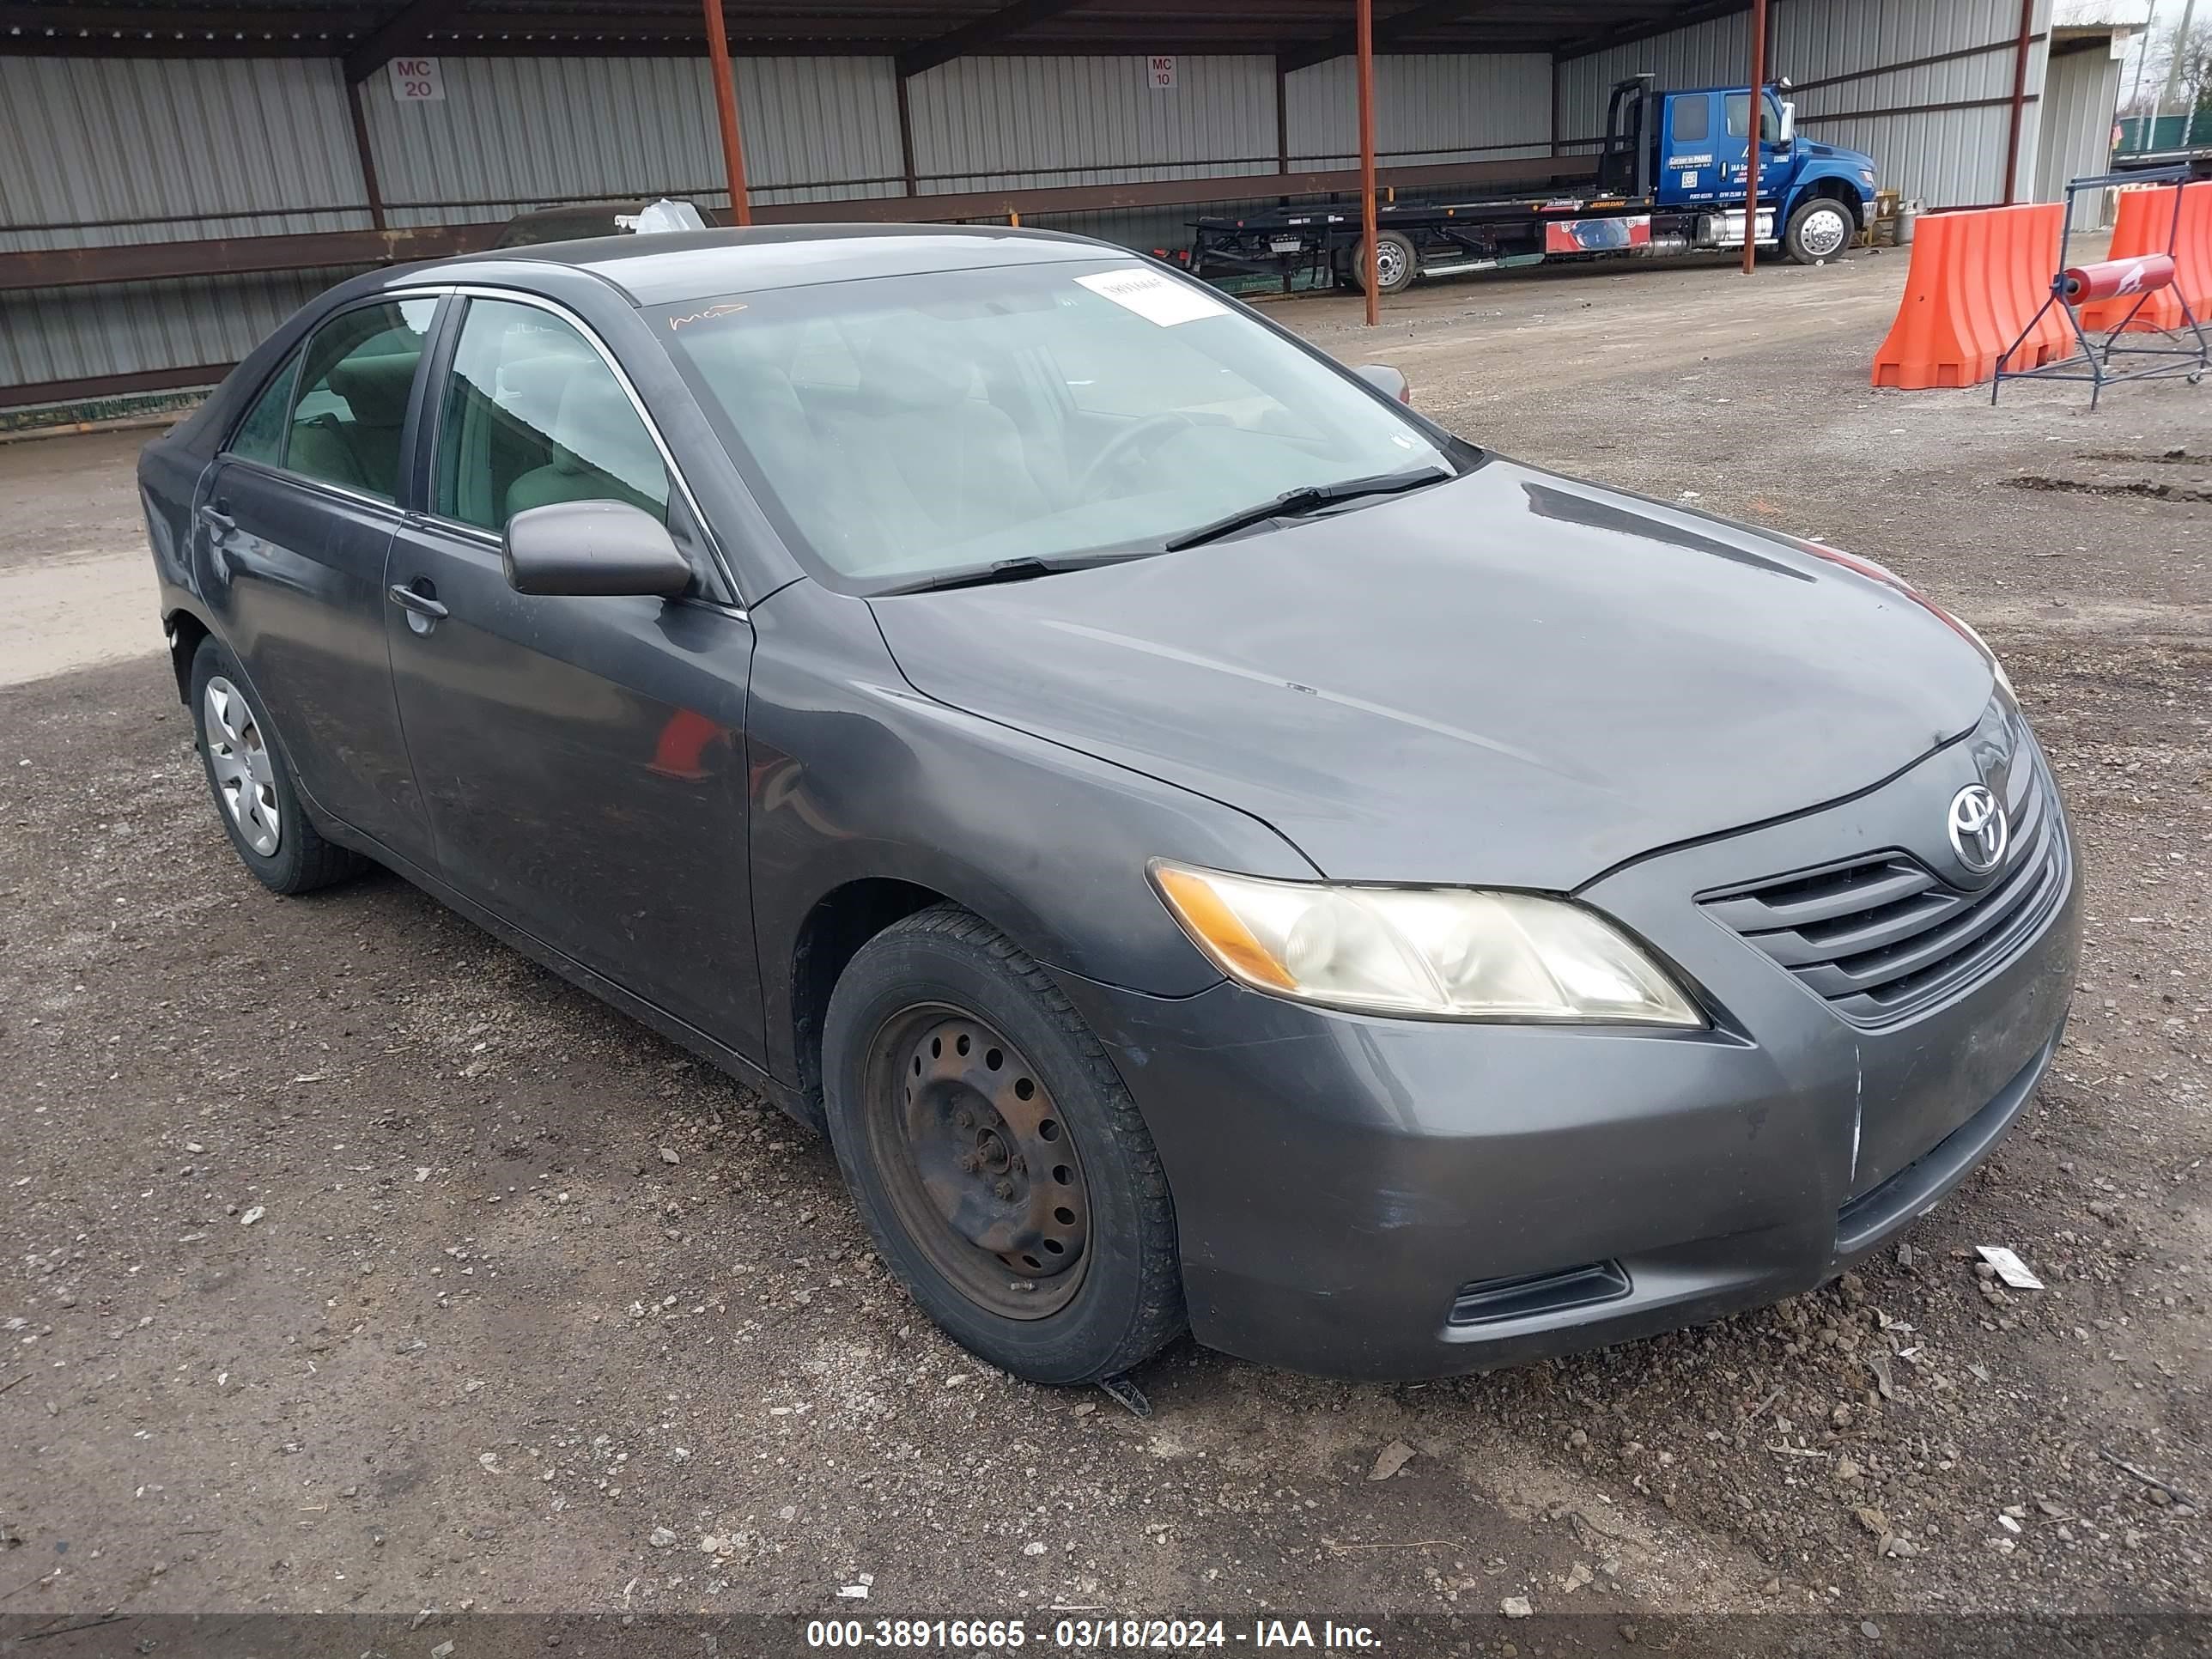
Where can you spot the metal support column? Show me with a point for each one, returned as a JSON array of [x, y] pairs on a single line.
[[1367, 159], [2019, 101], [1754, 117], [726, 103]]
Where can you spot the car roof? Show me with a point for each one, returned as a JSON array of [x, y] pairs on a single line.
[[683, 265]]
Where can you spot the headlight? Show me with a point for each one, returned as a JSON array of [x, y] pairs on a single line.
[[1442, 952], [1866, 173]]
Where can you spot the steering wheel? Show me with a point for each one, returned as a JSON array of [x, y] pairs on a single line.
[[1127, 444]]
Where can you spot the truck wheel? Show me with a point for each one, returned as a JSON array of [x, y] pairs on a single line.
[[1396, 264], [994, 1154], [1820, 229]]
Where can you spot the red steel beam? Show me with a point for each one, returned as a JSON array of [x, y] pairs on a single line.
[[725, 106], [2019, 101], [1366, 44], [1754, 118]]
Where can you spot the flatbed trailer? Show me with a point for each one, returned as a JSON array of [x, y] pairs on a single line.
[[1660, 185]]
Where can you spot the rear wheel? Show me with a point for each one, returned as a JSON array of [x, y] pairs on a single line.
[[1396, 263], [1002, 1167], [254, 795], [1820, 229]]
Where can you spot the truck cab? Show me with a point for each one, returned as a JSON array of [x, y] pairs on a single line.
[[1696, 144]]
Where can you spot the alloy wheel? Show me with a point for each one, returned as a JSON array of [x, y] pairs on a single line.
[[245, 771], [978, 1163]]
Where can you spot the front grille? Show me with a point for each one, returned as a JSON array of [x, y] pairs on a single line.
[[1882, 937]]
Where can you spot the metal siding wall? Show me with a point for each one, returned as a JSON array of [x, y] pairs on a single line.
[[514, 133], [69, 333], [2081, 94], [1944, 158], [1002, 123], [1441, 107], [143, 139], [132, 138]]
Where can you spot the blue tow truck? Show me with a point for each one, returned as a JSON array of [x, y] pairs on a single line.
[[1670, 179]]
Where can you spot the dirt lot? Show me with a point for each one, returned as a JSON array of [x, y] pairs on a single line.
[[534, 1314]]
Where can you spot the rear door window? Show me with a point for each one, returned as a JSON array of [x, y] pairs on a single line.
[[1692, 119], [260, 435], [354, 378]]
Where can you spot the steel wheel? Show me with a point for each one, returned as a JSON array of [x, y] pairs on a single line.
[[245, 774], [977, 1162], [1390, 265]]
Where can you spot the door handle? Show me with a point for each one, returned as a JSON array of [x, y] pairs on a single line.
[[220, 521], [421, 603]]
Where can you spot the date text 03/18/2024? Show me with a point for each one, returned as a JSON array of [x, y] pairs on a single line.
[[1088, 1634]]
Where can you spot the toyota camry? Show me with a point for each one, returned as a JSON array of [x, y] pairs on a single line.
[[1212, 849]]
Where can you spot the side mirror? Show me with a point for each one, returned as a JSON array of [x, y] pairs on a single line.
[[593, 549], [1386, 380], [1788, 122]]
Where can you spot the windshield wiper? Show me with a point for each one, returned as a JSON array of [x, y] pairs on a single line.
[[1295, 503], [1003, 570]]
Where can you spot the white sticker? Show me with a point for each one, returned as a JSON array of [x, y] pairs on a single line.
[[1156, 298], [1690, 180]]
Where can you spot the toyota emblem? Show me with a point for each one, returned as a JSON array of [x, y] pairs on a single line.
[[1978, 830]]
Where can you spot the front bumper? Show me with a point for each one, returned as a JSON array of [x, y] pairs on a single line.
[[1390, 1198]]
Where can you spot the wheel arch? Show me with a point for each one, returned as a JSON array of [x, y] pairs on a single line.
[[1836, 188], [831, 934], [185, 631]]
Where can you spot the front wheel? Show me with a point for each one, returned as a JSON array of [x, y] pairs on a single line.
[[999, 1164], [1820, 229]]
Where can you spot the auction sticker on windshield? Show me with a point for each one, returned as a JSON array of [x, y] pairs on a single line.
[[1152, 296]]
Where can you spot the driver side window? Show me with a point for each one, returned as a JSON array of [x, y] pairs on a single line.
[[532, 415]]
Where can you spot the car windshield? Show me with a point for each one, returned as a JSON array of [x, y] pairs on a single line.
[[905, 428]]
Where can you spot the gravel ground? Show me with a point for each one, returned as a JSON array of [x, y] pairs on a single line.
[[357, 1264]]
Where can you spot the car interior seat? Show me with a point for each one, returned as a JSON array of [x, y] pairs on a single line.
[[601, 452]]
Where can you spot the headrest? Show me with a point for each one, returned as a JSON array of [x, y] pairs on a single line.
[[375, 387], [598, 430], [530, 387]]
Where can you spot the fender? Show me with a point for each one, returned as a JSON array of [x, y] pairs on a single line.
[[1813, 173], [855, 775]]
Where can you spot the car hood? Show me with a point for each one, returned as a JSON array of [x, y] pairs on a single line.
[[1514, 679]]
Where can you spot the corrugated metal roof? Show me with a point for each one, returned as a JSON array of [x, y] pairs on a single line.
[[534, 26]]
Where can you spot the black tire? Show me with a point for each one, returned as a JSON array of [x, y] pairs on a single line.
[[300, 860], [1400, 264], [1812, 233], [1120, 1300]]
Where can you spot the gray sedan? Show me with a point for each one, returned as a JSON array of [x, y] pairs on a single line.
[[1211, 848]]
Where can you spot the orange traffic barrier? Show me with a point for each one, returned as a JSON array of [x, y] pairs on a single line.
[[2143, 225], [2193, 255], [1975, 282]]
